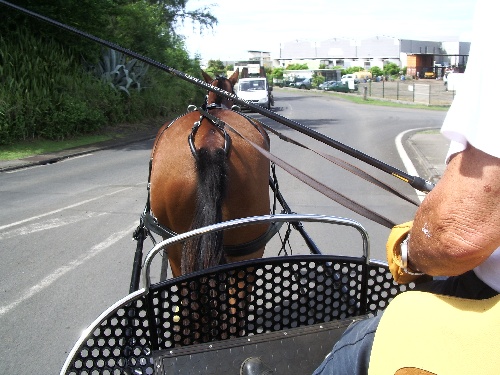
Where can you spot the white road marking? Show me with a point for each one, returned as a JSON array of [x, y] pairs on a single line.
[[62, 209], [49, 224], [61, 271], [69, 158], [410, 168]]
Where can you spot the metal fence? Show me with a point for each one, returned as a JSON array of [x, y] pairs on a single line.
[[428, 92]]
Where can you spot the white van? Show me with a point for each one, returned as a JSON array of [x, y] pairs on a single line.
[[351, 80], [255, 90]]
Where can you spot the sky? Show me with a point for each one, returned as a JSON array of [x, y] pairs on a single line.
[[262, 25]]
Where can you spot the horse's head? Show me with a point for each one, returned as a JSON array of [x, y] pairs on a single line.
[[223, 83]]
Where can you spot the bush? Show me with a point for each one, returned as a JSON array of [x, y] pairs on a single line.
[[317, 80], [391, 69], [46, 92], [376, 71]]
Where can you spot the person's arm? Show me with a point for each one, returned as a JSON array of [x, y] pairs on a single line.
[[458, 224]]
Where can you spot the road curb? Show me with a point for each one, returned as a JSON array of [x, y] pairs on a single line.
[[50, 158]]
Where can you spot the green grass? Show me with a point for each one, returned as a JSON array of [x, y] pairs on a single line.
[[358, 98], [37, 147], [386, 103]]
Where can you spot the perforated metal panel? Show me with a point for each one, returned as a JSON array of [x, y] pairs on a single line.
[[119, 344], [234, 300]]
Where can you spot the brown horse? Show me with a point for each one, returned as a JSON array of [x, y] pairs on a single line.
[[209, 179]]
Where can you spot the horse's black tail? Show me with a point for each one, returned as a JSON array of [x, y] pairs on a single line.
[[207, 251]]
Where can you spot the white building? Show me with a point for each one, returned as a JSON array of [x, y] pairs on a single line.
[[370, 52]]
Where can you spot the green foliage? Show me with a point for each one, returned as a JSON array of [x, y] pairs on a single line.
[[87, 15], [146, 26], [174, 11], [376, 71], [317, 80], [215, 68], [44, 90], [391, 69], [297, 67], [119, 71], [277, 73], [352, 69], [140, 27]]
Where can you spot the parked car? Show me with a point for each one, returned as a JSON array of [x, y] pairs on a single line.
[[302, 83], [324, 84], [337, 86]]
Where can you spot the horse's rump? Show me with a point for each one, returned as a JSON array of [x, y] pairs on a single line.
[[177, 178]]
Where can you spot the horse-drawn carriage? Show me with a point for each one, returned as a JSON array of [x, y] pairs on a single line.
[[217, 313], [287, 310], [226, 304]]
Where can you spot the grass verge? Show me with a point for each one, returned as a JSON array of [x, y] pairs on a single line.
[[358, 98], [24, 149], [39, 146]]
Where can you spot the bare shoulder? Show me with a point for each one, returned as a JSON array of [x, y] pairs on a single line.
[[460, 216]]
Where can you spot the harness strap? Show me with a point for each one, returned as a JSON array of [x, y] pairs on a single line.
[[218, 124], [152, 224], [341, 163], [254, 245]]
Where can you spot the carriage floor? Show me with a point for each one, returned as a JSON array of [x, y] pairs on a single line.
[[293, 351]]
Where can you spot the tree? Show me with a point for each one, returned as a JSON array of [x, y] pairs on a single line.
[[297, 67], [317, 80], [215, 67], [277, 73], [87, 15], [376, 71], [353, 69], [145, 26], [174, 11]]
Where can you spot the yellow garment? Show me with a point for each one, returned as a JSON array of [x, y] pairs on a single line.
[[428, 333], [393, 249]]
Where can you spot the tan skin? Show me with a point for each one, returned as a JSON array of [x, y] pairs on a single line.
[[458, 224]]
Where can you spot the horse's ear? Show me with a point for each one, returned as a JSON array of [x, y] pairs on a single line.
[[206, 77], [234, 77]]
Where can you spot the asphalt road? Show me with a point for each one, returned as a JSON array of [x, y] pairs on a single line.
[[66, 228]]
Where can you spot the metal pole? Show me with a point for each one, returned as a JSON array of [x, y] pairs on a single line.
[[429, 94]]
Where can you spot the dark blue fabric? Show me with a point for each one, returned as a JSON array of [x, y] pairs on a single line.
[[351, 354]]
